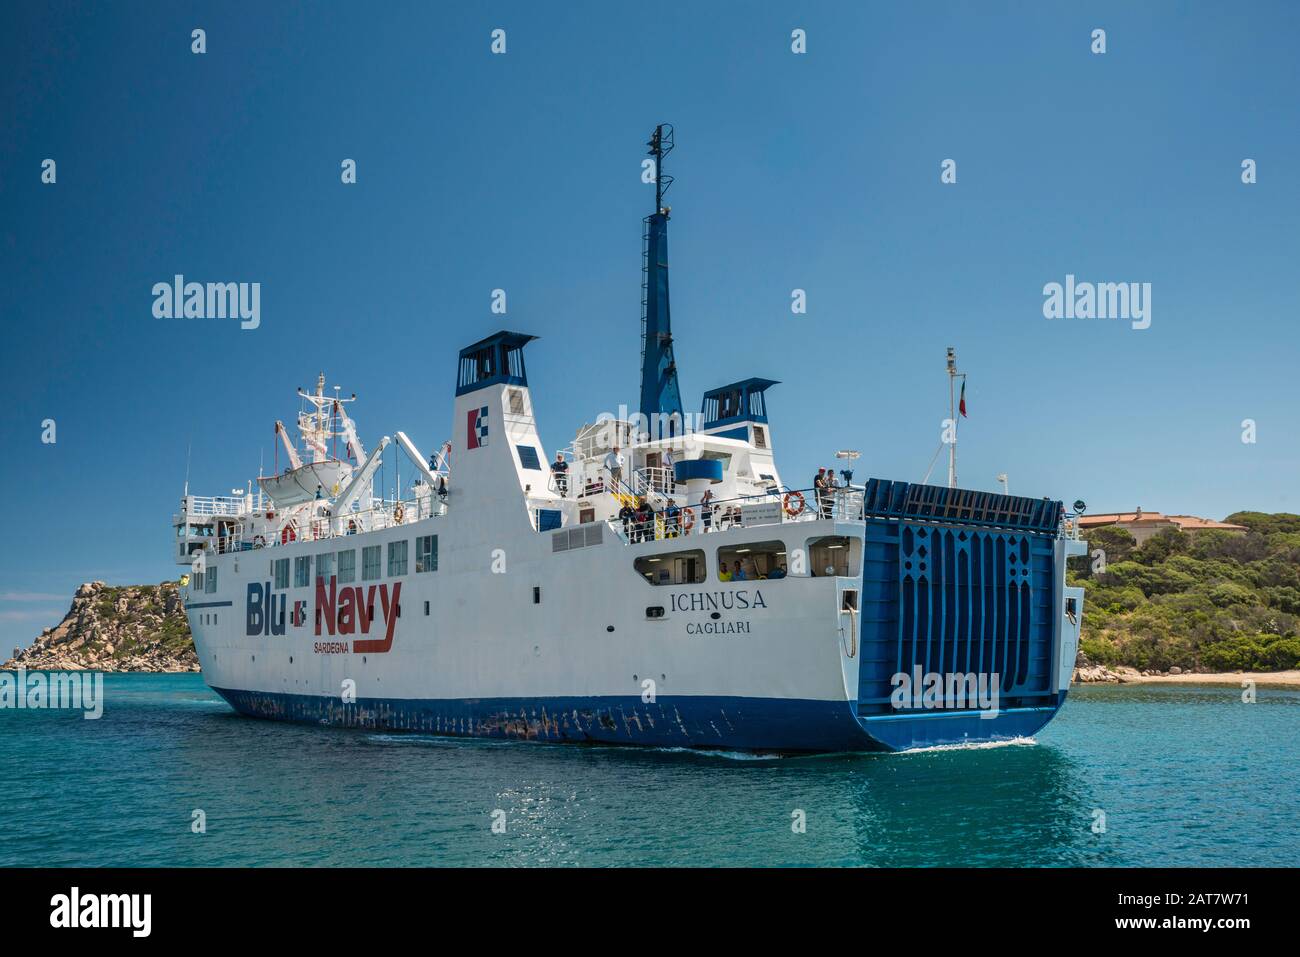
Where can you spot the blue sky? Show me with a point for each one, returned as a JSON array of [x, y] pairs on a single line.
[[817, 171]]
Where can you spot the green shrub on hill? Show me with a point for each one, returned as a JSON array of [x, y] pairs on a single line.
[[1210, 600]]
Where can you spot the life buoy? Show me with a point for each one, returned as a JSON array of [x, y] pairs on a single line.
[[398, 513], [688, 518], [793, 503], [259, 541], [287, 535]]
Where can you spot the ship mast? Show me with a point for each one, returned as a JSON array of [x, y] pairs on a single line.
[[953, 376], [661, 398]]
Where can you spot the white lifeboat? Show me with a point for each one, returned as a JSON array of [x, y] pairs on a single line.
[[295, 486]]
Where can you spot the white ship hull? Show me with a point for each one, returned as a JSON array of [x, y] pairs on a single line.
[[558, 647]]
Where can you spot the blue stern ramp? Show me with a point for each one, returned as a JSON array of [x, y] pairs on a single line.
[[970, 587]]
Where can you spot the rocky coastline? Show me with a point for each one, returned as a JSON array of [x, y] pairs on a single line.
[[115, 628]]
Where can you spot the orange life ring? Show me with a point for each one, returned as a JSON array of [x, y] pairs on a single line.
[[793, 509], [688, 518], [287, 535], [398, 513]]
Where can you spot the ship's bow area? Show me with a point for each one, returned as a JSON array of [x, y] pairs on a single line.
[[964, 625]]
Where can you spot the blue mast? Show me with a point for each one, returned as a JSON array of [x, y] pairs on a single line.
[[660, 394]]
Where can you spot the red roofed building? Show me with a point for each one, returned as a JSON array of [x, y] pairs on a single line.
[[1144, 525]]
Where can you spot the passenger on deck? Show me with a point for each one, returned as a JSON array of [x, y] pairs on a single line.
[[723, 574], [706, 510], [738, 574], [614, 465], [560, 471], [645, 521], [672, 519], [828, 497], [777, 572], [627, 515]]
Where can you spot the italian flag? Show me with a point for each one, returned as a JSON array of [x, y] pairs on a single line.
[[961, 406]]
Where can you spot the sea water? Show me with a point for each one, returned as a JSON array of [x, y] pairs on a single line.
[[1125, 776]]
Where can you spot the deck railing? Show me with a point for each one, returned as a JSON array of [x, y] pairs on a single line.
[[389, 513]]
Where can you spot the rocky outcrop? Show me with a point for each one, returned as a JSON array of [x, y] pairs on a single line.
[[116, 628], [1089, 672]]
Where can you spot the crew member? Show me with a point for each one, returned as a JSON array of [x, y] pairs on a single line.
[[560, 470]]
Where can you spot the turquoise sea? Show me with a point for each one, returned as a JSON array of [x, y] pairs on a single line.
[[1183, 775]]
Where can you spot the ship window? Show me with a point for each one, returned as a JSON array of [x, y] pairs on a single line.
[[282, 573], [760, 437], [302, 571], [397, 558], [758, 560], [210, 581], [833, 555], [198, 582], [528, 457], [426, 554], [537, 595], [325, 565], [477, 366], [347, 566], [672, 568], [369, 563], [516, 402], [426, 608]]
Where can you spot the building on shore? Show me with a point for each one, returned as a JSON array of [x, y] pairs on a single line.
[[1145, 525]]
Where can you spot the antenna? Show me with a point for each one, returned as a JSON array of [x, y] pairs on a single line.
[[661, 144]]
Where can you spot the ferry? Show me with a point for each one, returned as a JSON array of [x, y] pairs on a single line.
[[663, 586]]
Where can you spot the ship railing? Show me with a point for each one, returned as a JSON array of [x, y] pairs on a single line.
[[220, 504], [383, 514], [783, 506], [654, 479]]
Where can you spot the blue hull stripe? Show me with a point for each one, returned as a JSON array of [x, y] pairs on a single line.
[[733, 723]]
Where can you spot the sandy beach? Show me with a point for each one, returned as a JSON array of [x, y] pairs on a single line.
[[1262, 679]]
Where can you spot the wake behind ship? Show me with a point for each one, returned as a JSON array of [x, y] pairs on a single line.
[[663, 586]]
